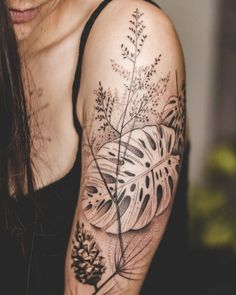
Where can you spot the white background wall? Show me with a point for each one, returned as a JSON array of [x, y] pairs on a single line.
[[196, 22]]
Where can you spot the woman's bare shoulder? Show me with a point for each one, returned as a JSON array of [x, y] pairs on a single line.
[[114, 15], [114, 32]]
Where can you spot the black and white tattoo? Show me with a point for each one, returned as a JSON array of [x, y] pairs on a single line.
[[88, 262], [136, 145]]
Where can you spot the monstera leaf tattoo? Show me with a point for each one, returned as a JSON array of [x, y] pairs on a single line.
[[173, 115], [146, 179], [135, 149]]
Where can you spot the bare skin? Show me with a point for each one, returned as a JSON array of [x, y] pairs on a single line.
[[133, 141], [47, 45], [132, 109]]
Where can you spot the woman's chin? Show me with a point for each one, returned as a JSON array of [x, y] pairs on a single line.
[[22, 31]]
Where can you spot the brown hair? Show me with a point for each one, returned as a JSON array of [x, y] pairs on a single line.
[[15, 140]]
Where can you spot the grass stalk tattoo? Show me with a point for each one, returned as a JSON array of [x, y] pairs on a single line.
[[135, 163], [135, 27]]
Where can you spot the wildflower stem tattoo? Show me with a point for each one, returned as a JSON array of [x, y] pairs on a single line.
[[135, 149]]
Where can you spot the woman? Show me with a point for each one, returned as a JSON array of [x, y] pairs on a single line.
[[123, 114]]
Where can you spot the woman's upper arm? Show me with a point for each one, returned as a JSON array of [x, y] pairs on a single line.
[[133, 139]]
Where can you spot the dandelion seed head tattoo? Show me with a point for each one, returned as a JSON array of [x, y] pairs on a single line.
[[135, 163]]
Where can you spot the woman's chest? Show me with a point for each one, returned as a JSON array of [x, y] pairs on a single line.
[[49, 82]]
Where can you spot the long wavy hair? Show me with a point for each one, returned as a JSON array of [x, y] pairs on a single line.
[[16, 175]]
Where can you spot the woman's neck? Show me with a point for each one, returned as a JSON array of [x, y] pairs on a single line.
[[56, 26]]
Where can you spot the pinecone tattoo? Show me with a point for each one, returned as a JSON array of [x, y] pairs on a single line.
[[88, 263]]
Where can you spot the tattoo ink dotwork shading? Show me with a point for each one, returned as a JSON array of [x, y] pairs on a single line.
[[136, 154]]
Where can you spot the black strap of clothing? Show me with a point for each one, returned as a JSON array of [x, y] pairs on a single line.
[[77, 79], [152, 2], [83, 39]]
